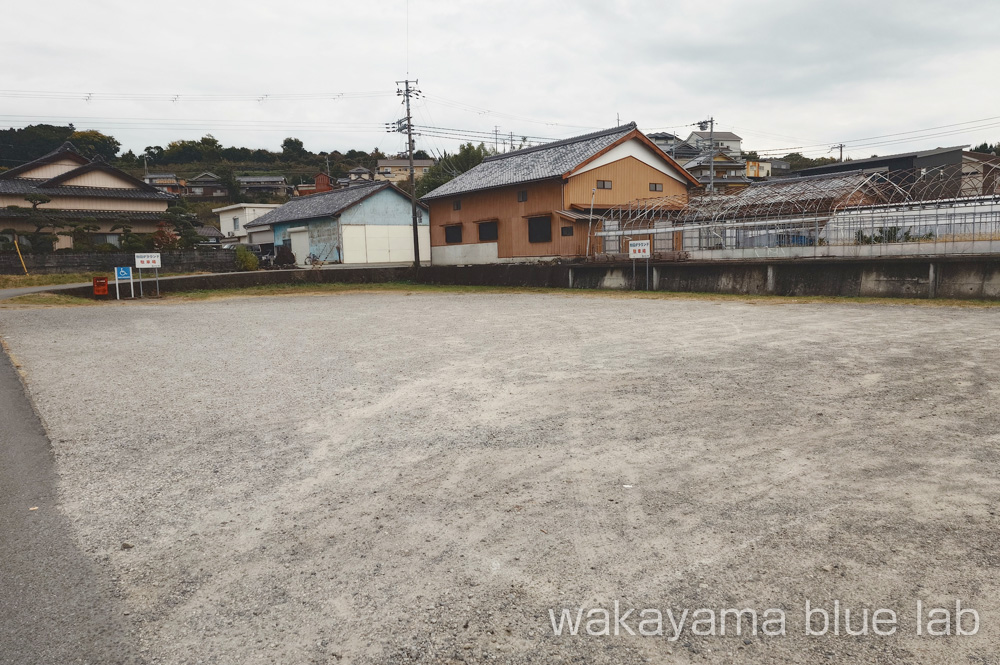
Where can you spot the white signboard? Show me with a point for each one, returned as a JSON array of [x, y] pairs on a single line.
[[638, 249], [147, 261]]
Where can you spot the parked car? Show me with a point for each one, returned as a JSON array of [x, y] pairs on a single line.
[[256, 249]]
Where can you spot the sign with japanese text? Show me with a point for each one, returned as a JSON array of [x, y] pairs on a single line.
[[147, 260], [638, 249]]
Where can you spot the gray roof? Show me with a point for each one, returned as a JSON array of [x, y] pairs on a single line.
[[324, 204], [541, 162], [662, 135], [26, 186], [206, 231], [704, 160], [261, 178], [900, 155], [114, 215], [718, 136]]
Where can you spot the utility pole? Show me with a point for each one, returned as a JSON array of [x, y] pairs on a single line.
[[496, 136], [328, 164], [841, 146], [710, 124], [406, 124]]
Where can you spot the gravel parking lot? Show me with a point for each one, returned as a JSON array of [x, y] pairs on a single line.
[[384, 477]]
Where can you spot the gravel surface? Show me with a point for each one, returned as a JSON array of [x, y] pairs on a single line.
[[383, 477]]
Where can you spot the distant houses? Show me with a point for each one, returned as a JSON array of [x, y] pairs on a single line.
[[398, 170]]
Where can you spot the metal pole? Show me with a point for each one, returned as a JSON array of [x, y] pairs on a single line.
[[711, 157], [156, 271], [140, 283], [590, 220]]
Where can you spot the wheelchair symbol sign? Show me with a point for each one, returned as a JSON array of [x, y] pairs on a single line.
[[123, 273]]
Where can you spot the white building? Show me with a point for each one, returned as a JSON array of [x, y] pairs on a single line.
[[727, 142], [233, 221]]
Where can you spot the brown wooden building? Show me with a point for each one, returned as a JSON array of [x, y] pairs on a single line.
[[534, 204]]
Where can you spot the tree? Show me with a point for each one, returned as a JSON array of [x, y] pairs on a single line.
[[92, 143], [421, 154], [796, 161], [183, 222], [164, 238], [450, 166], [153, 153], [292, 149], [82, 232], [228, 179], [31, 142]]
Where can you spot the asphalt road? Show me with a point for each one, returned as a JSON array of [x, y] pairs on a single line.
[[56, 605]]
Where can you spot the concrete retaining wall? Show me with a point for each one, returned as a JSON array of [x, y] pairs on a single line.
[[900, 278], [208, 260]]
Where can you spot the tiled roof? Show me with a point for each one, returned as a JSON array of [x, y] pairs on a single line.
[[324, 204], [704, 160], [718, 136], [134, 215], [541, 162], [208, 231], [261, 178], [24, 186]]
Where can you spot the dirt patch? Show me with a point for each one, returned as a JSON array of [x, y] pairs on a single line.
[[375, 478]]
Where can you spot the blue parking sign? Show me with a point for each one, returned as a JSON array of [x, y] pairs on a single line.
[[123, 273]]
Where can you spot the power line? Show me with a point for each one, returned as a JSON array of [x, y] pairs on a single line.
[[188, 97]]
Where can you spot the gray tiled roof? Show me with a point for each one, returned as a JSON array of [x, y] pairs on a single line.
[[539, 163], [718, 136], [208, 232], [261, 178], [24, 186], [324, 204], [133, 215]]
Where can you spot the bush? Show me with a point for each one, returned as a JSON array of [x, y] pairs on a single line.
[[245, 259], [284, 257]]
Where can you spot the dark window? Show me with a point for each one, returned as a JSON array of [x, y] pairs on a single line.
[[566, 230], [522, 196], [453, 233], [603, 184], [539, 229], [656, 186], [487, 231], [456, 204]]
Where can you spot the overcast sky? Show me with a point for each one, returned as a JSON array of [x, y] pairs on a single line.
[[782, 75]]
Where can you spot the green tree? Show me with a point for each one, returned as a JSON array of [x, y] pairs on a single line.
[[450, 166], [228, 179], [31, 142], [292, 149], [82, 233], [91, 143], [797, 161]]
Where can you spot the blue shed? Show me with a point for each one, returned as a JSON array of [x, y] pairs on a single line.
[[367, 222]]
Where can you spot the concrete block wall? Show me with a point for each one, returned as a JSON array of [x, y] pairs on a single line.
[[207, 260]]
